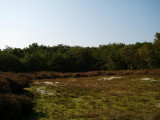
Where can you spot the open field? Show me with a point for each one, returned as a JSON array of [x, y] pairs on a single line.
[[95, 95], [114, 97]]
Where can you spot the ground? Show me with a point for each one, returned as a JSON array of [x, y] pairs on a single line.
[[127, 97]]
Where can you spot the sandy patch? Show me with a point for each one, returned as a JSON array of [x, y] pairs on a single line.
[[44, 91], [108, 78], [111, 78], [158, 105], [57, 82], [47, 83], [41, 90], [148, 79]]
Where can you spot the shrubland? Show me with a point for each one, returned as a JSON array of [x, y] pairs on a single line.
[[79, 95], [114, 97], [14, 104]]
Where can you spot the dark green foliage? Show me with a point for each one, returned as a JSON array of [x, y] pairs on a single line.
[[81, 59], [9, 62], [58, 62], [17, 52], [62, 58], [157, 48], [34, 62]]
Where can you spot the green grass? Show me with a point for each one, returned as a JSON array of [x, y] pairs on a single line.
[[96, 98]]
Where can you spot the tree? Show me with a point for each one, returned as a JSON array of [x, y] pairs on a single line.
[[157, 48], [63, 58], [146, 56], [128, 54], [58, 62], [34, 62], [10, 62]]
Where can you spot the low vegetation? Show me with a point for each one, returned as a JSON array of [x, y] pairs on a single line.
[[14, 105], [95, 95], [53, 75], [122, 97]]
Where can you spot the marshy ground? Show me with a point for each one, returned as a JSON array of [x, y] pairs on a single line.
[[128, 97]]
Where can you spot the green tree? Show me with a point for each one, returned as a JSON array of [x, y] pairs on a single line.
[[146, 56], [128, 54], [58, 62], [157, 48], [9, 62], [34, 62]]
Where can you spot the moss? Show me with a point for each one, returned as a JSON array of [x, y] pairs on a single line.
[[123, 99]]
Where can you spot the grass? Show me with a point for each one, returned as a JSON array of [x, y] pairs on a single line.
[[97, 98]]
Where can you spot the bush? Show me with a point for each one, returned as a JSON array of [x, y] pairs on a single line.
[[12, 83], [14, 107]]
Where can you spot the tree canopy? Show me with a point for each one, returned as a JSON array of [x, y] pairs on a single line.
[[63, 58]]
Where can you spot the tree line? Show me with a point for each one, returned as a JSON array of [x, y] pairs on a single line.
[[63, 58]]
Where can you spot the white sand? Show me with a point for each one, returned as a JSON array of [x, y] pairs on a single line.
[[148, 79], [108, 78], [44, 91]]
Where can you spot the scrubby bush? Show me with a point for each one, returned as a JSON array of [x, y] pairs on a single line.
[[12, 83], [14, 107]]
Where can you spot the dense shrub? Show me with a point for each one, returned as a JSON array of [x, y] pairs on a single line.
[[53, 75], [12, 83], [14, 107]]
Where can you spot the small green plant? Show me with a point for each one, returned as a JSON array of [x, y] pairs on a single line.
[[126, 98]]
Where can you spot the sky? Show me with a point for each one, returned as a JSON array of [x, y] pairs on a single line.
[[77, 22]]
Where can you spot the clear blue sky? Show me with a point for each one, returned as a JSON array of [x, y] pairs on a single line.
[[77, 22]]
